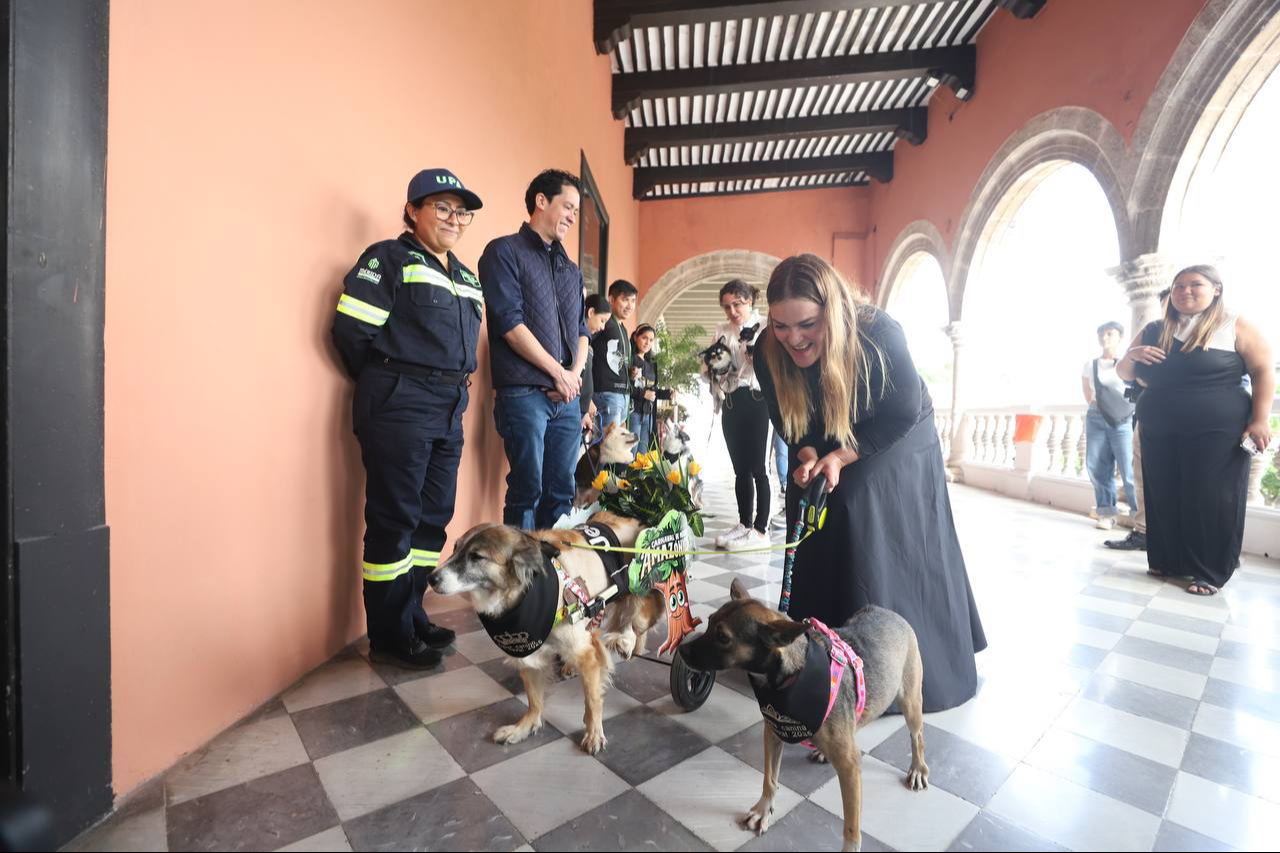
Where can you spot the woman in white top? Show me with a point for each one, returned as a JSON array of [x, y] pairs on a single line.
[[745, 417], [1108, 427], [1195, 416]]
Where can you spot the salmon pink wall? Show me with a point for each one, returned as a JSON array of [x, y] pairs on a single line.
[[1098, 54], [254, 150], [830, 222]]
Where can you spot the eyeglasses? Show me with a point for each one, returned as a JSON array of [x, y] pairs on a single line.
[[444, 211]]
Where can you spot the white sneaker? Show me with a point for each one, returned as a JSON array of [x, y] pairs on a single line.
[[1105, 522], [753, 539], [728, 536]]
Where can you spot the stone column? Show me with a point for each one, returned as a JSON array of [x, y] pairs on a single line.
[[1143, 278], [961, 425]]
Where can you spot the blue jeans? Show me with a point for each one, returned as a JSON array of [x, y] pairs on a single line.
[[542, 440], [780, 458], [641, 424], [1106, 447], [612, 407]]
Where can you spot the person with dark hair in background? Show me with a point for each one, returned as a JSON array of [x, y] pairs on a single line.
[[645, 391], [598, 312], [407, 326], [1137, 538], [745, 418], [612, 356], [537, 348], [1200, 428], [1108, 428]]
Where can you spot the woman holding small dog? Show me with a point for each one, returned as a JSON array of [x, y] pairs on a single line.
[[842, 388], [746, 418], [644, 382]]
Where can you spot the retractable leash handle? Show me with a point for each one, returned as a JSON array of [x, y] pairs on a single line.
[[815, 503]]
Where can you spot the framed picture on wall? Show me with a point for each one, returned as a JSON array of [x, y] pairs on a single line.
[[593, 234]]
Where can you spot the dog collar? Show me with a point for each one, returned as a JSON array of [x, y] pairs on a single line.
[[797, 708]]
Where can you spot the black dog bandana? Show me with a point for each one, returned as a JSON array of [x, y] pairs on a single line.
[[523, 629], [796, 709]]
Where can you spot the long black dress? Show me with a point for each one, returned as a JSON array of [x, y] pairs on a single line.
[[889, 539], [1195, 475]]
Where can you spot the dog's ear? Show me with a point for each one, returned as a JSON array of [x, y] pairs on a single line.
[[528, 557], [737, 591], [781, 633]]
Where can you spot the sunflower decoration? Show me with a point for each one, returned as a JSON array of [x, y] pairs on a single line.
[[653, 487]]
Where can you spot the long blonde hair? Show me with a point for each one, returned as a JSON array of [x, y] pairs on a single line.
[[1210, 321], [846, 352]]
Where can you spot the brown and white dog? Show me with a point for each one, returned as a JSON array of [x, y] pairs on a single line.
[[503, 569], [616, 447]]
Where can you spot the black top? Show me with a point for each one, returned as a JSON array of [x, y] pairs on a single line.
[[399, 302], [588, 385], [1209, 368], [883, 419], [648, 382], [612, 361]]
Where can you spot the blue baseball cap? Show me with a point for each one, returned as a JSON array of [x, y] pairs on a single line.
[[436, 181]]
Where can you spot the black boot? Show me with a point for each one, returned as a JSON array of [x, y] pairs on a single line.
[[415, 656], [1135, 541]]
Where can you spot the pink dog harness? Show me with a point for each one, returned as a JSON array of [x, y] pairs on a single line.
[[798, 708]]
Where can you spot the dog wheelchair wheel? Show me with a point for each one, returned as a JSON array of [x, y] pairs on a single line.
[[689, 687]]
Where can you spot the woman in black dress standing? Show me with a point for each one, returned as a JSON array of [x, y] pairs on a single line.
[[841, 387], [1195, 414]]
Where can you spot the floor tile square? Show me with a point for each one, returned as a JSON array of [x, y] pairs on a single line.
[[377, 774], [238, 755], [627, 822], [450, 693], [644, 743], [797, 772], [1109, 770], [709, 792], [955, 765], [725, 713], [1140, 700], [341, 678], [929, 819], [989, 832], [468, 737], [260, 814], [454, 816], [519, 786], [1079, 818], [1223, 813], [331, 728]]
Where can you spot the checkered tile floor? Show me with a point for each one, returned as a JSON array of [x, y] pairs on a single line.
[[1115, 712]]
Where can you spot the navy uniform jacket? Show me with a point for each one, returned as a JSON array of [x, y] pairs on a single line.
[[400, 303]]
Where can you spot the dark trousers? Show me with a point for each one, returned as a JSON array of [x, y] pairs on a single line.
[[410, 432], [746, 433]]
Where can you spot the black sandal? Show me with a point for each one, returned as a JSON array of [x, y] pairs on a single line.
[[1195, 587]]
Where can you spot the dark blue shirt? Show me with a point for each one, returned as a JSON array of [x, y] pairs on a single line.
[[526, 281]]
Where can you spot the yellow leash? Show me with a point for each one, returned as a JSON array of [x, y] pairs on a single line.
[[764, 549]]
